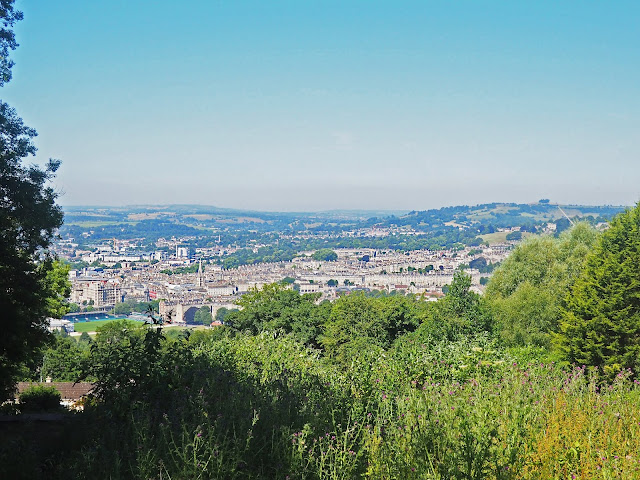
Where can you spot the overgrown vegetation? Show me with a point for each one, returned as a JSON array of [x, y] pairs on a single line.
[[225, 405]]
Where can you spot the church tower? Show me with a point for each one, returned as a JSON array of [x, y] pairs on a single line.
[[200, 276]]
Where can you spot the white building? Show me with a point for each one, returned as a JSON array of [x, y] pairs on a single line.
[[219, 290], [103, 293], [308, 287], [58, 324]]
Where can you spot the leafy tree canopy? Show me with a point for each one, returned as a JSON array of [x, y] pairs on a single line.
[[8, 17], [357, 321], [278, 308], [514, 236], [459, 314], [325, 254], [222, 313], [527, 290]]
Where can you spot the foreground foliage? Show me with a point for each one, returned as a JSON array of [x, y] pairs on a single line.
[[219, 405]]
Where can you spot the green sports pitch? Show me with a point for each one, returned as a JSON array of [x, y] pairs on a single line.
[[96, 324]]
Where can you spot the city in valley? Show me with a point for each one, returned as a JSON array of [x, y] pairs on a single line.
[[232, 253]]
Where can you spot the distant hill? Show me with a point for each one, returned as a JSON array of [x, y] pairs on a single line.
[[209, 225], [500, 215]]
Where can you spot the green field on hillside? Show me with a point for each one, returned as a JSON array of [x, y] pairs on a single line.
[[499, 237]]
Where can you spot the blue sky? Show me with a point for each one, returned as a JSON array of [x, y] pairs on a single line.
[[313, 105]]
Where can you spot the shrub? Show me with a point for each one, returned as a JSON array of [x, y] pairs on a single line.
[[40, 398]]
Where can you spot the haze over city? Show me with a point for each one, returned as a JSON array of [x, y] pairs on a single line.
[[323, 105]]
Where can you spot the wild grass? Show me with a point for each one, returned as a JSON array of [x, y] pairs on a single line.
[[265, 407]]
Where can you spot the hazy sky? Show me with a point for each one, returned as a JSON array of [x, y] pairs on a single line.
[[311, 105]]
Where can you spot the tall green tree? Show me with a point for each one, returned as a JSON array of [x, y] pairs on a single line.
[[527, 291], [355, 323], [222, 313], [58, 288], [600, 323], [29, 218]]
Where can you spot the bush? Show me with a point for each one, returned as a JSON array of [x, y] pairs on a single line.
[[40, 399]]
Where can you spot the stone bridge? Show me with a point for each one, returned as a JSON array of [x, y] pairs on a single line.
[[184, 312]]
